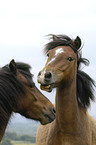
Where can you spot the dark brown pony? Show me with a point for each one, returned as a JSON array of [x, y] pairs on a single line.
[[19, 94], [74, 91]]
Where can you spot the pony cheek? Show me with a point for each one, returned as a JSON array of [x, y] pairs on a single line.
[[62, 76], [57, 78]]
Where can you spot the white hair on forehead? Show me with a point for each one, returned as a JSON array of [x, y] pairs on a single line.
[[57, 52]]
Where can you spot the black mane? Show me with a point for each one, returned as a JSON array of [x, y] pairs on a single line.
[[85, 83], [11, 88]]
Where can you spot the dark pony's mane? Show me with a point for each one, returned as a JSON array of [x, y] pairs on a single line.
[[85, 83], [11, 88]]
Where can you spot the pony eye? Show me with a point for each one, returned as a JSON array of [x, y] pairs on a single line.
[[48, 54], [32, 85], [70, 58]]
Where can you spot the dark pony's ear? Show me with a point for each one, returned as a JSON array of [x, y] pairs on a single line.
[[13, 66], [77, 43]]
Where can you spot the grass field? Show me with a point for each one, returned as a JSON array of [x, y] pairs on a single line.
[[21, 143]]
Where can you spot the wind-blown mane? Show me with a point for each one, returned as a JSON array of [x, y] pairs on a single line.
[[11, 87], [85, 83]]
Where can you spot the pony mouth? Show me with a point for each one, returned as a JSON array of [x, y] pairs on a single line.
[[45, 87], [49, 118]]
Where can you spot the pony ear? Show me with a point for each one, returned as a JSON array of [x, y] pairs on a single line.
[[12, 66], [77, 43]]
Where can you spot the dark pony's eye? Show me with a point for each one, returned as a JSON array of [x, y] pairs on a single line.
[[70, 58], [32, 85]]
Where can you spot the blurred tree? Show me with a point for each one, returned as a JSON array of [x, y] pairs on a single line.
[[11, 135], [6, 142]]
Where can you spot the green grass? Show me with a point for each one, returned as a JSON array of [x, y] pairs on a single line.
[[21, 143]]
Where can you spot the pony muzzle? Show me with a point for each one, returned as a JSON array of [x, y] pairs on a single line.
[[49, 116], [45, 78]]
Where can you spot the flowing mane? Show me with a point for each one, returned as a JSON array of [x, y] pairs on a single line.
[[85, 83], [11, 87]]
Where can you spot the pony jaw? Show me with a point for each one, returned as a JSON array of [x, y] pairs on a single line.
[[47, 88]]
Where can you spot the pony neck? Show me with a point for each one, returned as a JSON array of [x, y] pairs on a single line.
[[3, 125], [67, 110]]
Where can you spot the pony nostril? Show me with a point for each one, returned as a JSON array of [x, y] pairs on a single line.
[[39, 73], [48, 75], [53, 110]]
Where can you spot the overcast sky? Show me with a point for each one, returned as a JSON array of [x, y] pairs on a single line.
[[24, 23]]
